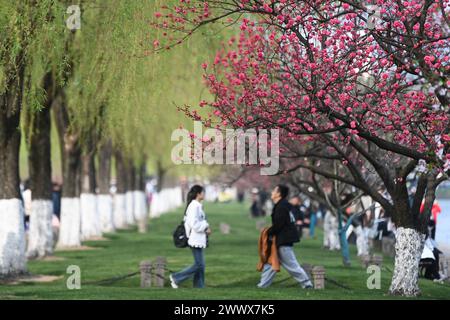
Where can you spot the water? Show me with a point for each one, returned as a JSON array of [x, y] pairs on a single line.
[[443, 226]]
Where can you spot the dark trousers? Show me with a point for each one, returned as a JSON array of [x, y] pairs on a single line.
[[432, 269]]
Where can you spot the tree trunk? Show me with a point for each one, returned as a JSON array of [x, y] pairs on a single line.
[[408, 249], [40, 241], [12, 233], [362, 241], [90, 219], [9, 154], [104, 167], [131, 177], [104, 181], [366, 204], [69, 233], [140, 200], [120, 208], [411, 230], [160, 175], [331, 232]]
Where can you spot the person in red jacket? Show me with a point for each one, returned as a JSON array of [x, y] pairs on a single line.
[[435, 210]]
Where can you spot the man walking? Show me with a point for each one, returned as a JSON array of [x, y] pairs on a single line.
[[286, 234]]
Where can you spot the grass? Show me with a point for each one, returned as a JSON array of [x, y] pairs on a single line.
[[230, 266]]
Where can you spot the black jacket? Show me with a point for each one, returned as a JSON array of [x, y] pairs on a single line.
[[283, 224]]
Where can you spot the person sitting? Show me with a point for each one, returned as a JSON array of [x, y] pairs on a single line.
[[429, 260]]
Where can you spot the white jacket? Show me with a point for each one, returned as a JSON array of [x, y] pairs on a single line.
[[196, 225], [428, 249]]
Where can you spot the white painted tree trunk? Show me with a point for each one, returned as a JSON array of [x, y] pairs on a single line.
[[326, 229], [120, 211], [97, 220], [335, 243], [106, 213], [362, 241], [12, 238], [408, 249], [331, 234], [140, 210], [90, 220], [70, 225], [40, 236], [140, 205], [130, 208], [154, 206]]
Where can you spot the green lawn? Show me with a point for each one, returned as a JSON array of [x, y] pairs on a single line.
[[230, 266]]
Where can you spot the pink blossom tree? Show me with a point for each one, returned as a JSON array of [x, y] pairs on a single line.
[[367, 79]]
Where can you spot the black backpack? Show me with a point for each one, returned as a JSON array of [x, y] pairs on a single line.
[[180, 239]]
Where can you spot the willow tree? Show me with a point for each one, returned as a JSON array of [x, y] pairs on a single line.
[[44, 72], [180, 73], [140, 114], [98, 54], [22, 24], [105, 201]]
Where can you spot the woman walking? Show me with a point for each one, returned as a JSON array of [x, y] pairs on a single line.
[[197, 231]]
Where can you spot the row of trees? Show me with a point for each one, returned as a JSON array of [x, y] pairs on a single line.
[[85, 68], [359, 90]]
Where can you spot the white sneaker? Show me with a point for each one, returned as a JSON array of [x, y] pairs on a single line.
[[173, 283]]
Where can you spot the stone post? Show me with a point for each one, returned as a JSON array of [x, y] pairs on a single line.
[[159, 268], [318, 275], [142, 225], [146, 274], [224, 228]]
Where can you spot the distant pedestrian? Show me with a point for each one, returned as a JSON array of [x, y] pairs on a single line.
[[299, 211], [240, 196], [313, 210], [56, 199], [27, 202], [256, 209]]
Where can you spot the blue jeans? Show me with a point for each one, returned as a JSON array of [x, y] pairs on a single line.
[[197, 270], [288, 260]]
